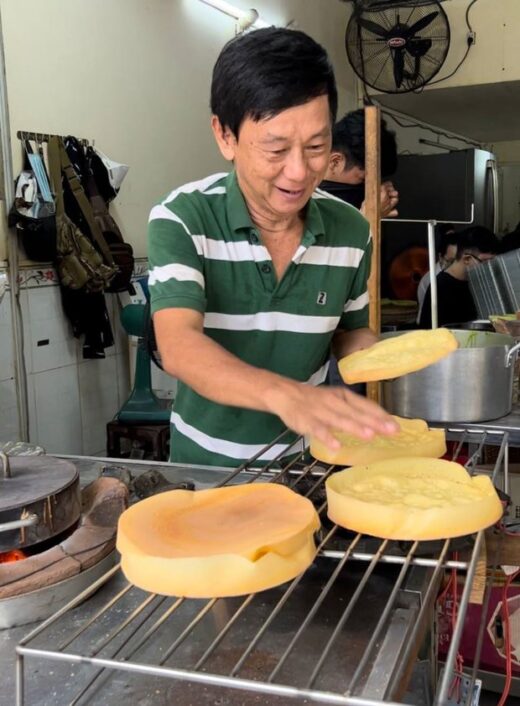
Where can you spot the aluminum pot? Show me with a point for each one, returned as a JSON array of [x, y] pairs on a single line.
[[472, 384]]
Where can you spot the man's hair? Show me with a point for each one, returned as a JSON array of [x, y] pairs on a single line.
[[476, 239], [444, 237], [348, 137], [262, 73]]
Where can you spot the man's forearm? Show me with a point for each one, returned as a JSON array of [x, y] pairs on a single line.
[[346, 342], [221, 377]]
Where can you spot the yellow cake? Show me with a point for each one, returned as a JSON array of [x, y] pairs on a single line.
[[396, 356], [218, 542], [412, 499], [415, 438]]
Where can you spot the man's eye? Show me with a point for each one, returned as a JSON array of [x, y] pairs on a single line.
[[316, 148], [277, 152]]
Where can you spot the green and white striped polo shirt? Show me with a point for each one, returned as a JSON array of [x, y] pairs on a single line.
[[206, 254]]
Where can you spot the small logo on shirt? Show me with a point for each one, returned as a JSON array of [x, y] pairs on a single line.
[[322, 298]]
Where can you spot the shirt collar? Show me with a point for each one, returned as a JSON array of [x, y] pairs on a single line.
[[239, 218]]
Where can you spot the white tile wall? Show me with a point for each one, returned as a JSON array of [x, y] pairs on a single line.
[[6, 339], [99, 401], [70, 399], [8, 410], [58, 425]]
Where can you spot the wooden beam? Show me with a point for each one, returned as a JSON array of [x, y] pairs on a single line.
[[373, 215]]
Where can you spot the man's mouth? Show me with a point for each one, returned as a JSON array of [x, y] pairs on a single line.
[[291, 192]]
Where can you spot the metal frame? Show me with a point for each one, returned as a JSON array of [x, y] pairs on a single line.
[[140, 625]]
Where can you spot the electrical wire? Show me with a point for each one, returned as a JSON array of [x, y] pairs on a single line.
[[441, 133], [469, 45], [507, 627]]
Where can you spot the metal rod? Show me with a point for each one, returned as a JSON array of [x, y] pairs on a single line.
[[249, 685], [19, 680], [428, 598], [459, 626], [480, 636], [433, 276], [382, 620], [394, 559], [346, 614], [218, 639], [283, 600], [28, 521], [136, 613], [45, 137], [187, 630], [310, 615], [92, 681], [94, 618], [244, 466], [71, 604]]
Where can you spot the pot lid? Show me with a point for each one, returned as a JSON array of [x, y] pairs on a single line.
[[27, 479]]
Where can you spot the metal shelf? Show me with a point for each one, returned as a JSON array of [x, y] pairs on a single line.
[[347, 631]]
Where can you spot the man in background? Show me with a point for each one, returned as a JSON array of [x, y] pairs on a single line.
[[446, 254], [455, 302], [345, 176]]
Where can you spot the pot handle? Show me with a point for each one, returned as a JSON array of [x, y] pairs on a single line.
[[511, 354]]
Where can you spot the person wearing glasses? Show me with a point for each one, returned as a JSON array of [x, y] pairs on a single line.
[[455, 302], [446, 254]]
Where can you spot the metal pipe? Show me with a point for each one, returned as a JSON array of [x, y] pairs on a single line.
[[433, 276], [28, 521], [22, 407]]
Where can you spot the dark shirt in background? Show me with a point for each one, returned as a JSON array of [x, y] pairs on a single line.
[[455, 302], [353, 194]]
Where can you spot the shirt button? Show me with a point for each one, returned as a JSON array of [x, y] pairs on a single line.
[[266, 269], [254, 238]]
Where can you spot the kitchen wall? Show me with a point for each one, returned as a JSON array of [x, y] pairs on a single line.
[[134, 76], [494, 56]]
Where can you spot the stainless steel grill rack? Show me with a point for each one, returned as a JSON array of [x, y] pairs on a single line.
[[350, 630]]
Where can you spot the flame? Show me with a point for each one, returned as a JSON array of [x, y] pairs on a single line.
[[14, 555]]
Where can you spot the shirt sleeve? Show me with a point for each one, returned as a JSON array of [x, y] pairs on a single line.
[[355, 311], [176, 272]]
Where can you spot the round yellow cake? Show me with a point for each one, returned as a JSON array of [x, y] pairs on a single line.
[[219, 542], [412, 499], [396, 356], [414, 438]]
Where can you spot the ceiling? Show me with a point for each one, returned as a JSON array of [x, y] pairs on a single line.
[[487, 113]]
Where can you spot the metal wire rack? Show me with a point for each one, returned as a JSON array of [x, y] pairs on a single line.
[[347, 631]]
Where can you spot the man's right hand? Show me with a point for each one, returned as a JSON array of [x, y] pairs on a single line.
[[319, 411], [389, 200]]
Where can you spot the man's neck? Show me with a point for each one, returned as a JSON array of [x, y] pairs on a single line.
[[457, 270]]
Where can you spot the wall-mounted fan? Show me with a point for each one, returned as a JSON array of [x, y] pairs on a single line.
[[397, 47]]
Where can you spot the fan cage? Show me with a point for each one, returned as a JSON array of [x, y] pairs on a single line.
[[373, 60]]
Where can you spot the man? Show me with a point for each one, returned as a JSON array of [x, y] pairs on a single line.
[[446, 254], [455, 301], [253, 275], [345, 176]]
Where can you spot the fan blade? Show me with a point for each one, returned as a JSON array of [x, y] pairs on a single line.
[[418, 47], [372, 27], [398, 57], [421, 24]]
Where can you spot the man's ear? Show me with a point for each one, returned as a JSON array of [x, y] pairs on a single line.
[[226, 140], [337, 163]]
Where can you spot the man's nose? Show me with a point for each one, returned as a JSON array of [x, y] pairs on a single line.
[[296, 167]]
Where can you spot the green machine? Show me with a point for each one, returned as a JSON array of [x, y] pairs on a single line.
[[143, 406]]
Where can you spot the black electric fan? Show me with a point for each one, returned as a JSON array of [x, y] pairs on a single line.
[[397, 47]]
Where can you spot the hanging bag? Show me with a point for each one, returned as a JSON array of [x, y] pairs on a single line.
[[33, 210], [78, 263]]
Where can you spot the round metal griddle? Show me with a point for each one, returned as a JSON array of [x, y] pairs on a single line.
[[39, 498]]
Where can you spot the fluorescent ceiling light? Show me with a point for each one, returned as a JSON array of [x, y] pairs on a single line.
[[246, 19]]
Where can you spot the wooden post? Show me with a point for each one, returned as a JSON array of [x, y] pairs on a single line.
[[373, 215]]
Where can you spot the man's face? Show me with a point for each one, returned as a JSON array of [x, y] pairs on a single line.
[[474, 259], [279, 161]]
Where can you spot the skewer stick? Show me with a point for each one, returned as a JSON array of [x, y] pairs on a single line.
[[373, 215]]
